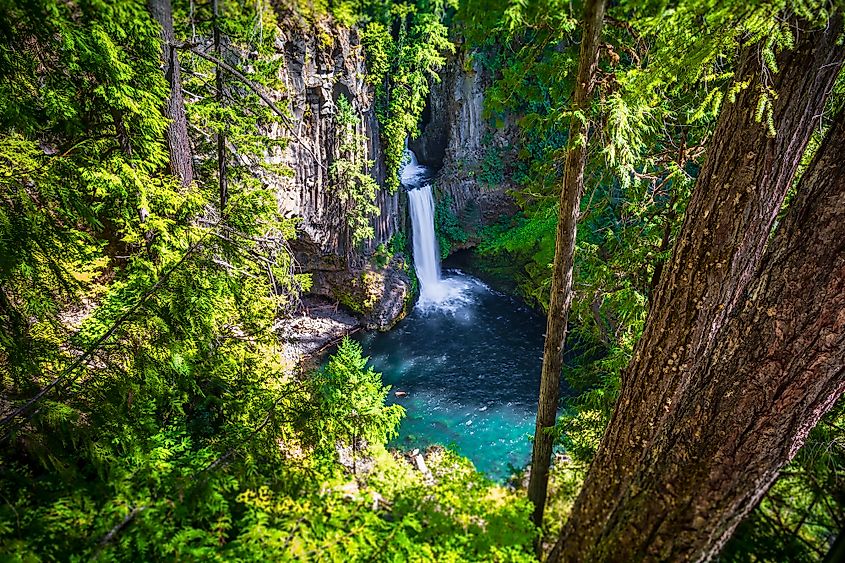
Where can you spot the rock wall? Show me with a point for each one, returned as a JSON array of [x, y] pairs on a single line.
[[318, 66], [465, 146], [319, 62]]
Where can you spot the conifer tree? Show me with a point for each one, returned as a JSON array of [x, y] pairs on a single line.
[[737, 197], [775, 369], [561, 291]]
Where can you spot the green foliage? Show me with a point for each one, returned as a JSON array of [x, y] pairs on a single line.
[[404, 44], [350, 400], [399, 244], [356, 187], [447, 226], [639, 173], [492, 525], [148, 410], [491, 171], [141, 316], [382, 256], [459, 517], [396, 246]]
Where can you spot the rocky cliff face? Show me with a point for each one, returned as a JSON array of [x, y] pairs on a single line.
[[319, 63], [465, 146], [323, 61]]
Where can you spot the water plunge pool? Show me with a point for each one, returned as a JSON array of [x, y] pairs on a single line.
[[466, 362], [470, 366]]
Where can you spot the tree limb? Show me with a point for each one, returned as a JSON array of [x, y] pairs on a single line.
[[255, 88]]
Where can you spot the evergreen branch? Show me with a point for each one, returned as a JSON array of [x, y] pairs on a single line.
[[10, 418], [257, 89], [223, 458], [125, 522]]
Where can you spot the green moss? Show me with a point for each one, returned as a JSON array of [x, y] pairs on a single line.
[[363, 293], [448, 227], [349, 301]]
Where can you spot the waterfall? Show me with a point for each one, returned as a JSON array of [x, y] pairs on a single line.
[[426, 249], [436, 293], [412, 172]]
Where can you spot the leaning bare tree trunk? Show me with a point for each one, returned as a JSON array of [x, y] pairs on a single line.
[[221, 100], [561, 291], [737, 197], [178, 143], [777, 367]]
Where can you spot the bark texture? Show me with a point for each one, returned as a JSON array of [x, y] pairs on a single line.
[[778, 366], [736, 199], [561, 290], [220, 95], [178, 143]]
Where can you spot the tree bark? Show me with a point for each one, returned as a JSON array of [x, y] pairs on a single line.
[[728, 221], [777, 367], [178, 142], [221, 100], [561, 290], [837, 550]]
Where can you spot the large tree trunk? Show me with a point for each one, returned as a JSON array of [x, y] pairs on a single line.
[[737, 197], [178, 143], [836, 553], [777, 367], [561, 290]]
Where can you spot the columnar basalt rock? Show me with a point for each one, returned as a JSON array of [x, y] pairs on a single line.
[[466, 146], [319, 63], [318, 66]]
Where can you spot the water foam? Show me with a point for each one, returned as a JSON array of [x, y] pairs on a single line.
[[437, 294]]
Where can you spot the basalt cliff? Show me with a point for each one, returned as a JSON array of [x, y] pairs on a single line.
[[455, 139]]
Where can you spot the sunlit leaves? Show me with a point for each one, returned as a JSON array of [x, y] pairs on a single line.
[[351, 400], [400, 66], [356, 188]]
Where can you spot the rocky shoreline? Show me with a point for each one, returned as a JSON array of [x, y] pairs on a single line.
[[315, 327]]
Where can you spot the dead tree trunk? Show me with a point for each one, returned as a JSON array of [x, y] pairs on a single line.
[[221, 100], [561, 290], [178, 143], [736, 199]]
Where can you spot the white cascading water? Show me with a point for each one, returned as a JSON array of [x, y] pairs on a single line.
[[412, 173], [426, 249], [436, 293]]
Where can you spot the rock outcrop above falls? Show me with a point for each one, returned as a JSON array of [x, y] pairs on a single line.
[[320, 62], [468, 148]]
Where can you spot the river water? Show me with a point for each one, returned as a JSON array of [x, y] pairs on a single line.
[[466, 362]]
